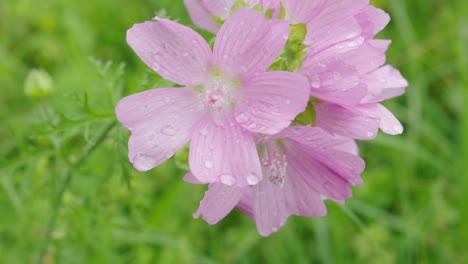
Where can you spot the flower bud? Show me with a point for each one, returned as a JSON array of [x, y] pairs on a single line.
[[38, 84]]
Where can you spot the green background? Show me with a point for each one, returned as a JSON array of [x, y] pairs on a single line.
[[69, 195]]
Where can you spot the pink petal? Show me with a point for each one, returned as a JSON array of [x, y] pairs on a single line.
[[388, 122], [372, 21], [270, 101], [245, 204], [342, 35], [335, 81], [223, 152], [174, 51], [338, 10], [303, 11], [161, 121], [270, 210], [384, 83], [219, 200], [247, 43], [219, 8], [200, 15], [318, 176], [344, 122], [301, 199], [191, 179], [368, 57]]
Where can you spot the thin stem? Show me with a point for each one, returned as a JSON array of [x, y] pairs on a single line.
[[57, 202]]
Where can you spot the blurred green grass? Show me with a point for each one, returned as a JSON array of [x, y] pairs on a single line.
[[69, 195]]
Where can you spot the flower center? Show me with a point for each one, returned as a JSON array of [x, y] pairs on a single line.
[[217, 96]]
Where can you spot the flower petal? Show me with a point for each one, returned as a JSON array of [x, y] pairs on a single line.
[[388, 122], [335, 81], [318, 176], [303, 11], [161, 121], [219, 200], [372, 20], [219, 8], [248, 43], [368, 57], [270, 211], [174, 51], [224, 152], [200, 15], [270, 101], [384, 83], [342, 121]]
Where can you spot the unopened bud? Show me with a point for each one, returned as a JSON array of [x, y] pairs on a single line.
[[38, 84]]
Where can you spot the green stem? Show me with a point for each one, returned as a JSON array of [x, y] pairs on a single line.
[[57, 202]]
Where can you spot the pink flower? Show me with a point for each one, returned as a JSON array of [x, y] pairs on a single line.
[[227, 96], [202, 11], [347, 75], [302, 166]]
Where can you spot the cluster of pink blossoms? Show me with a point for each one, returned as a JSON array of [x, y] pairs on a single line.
[[272, 111]]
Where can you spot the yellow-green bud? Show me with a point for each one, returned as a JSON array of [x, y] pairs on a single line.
[[38, 84]]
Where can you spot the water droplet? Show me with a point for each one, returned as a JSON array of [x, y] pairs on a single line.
[[337, 76], [143, 162], [285, 36], [227, 179], [208, 164], [316, 82], [274, 229], [168, 130], [185, 53], [225, 56], [370, 134], [242, 118], [204, 131], [252, 126], [252, 179], [166, 99], [288, 102]]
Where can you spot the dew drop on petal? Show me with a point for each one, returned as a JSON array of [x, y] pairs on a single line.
[[252, 179], [242, 118], [227, 179], [316, 82], [204, 132], [143, 162], [337, 76], [370, 134], [208, 164], [288, 102]]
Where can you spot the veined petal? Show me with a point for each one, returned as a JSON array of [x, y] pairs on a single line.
[[342, 121], [247, 43], [388, 122], [219, 200], [335, 81], [174, 51], [269, 101], [302, 11], [224, 152], [372, 20], [219, 8], [200, 15], [384, 83], [317, 175], [161, 122], [368, 57], [270, 210]]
